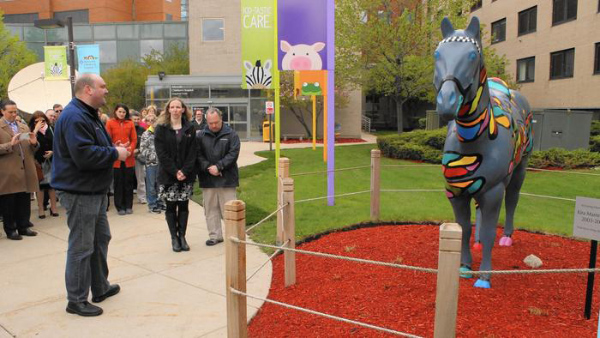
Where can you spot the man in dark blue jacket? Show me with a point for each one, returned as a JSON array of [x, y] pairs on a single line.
[[218, 151], [82, 173]]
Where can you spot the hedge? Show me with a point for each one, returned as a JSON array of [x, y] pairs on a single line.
[[427, 146]]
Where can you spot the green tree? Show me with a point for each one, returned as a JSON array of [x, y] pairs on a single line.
[[386, 46], [301, 107], [127, 80], [126, 84], [14, 56]]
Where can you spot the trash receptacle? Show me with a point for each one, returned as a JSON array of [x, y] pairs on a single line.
[[267, 131]]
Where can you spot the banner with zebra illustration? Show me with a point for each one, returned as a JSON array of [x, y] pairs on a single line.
[[55, 59], [258, 43]]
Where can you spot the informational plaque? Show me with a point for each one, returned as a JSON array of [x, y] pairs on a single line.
[[587, 218]]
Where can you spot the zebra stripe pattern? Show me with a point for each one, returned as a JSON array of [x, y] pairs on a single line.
[[258, 75]]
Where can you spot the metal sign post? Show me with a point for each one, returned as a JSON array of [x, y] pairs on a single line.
[[270, 109], [586, 224]]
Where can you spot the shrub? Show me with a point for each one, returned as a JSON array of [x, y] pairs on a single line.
[[418, 145], [564, 159], [595, 143], [595, 130], [427, 146]]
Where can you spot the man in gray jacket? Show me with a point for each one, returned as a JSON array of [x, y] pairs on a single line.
[[218, 151]]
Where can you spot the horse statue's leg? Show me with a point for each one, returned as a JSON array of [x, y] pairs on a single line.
[[477, 244], [462, 214], [490, 203], [512, 198]]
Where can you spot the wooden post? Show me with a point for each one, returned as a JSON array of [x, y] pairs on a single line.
[[289, 231], [235, 263], [284, 172], [446, 299], [375, 183]]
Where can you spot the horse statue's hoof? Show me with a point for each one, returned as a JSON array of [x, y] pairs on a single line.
[[505, 241], [477, 246], [465, 272], [483, 284]]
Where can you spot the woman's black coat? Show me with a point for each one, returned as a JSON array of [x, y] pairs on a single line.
[[174, 156]]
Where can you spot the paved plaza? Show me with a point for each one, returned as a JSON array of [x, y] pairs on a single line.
[[163, 293]]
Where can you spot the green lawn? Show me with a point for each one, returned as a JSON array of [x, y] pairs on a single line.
[[258, 190]]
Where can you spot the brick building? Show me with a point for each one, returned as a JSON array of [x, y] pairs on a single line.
[[553, 48], [91, 11]]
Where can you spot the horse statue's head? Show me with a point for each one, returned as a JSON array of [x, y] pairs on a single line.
[[458, 63]]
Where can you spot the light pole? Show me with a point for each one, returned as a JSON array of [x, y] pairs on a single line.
[[56, 23]]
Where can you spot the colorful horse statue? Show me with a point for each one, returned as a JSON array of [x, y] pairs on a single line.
[[488, 143]]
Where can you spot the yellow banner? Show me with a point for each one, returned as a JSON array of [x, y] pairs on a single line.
[[55, 59]]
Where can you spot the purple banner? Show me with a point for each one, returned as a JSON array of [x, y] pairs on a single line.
[[302, 35]]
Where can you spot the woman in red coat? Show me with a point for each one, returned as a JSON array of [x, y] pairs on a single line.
[[122, 132]]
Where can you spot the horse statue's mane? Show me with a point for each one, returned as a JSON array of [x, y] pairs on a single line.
[[488, 142]]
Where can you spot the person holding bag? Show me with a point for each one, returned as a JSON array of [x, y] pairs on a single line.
[[40, 125], [175, 144]]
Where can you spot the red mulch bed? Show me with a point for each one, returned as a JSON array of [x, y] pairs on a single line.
[[545, 305], [320, 141]]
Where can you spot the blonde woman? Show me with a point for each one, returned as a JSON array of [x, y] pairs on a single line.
[[174, 140]]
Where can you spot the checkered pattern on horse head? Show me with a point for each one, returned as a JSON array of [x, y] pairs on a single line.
[[461, 39]]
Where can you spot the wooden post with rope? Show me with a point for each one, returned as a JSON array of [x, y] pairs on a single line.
[[446, 300], [375, 183], [289, 231], [284, 172], [235, 264]]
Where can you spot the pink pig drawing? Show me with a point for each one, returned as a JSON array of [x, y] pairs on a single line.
[[301, 57]]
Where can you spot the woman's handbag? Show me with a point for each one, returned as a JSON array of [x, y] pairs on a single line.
[[39, 171]]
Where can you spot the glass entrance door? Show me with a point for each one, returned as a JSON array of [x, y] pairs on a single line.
[[224, 108], [238, 120], [197, 107]]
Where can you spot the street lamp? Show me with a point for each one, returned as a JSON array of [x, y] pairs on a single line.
[[56, 23]]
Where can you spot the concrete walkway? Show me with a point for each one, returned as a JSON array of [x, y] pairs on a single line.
[[163, 293]]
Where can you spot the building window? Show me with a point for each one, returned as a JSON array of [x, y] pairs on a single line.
[[597, 59], [20, 18], [564, 11], [528, 21], [212, 30], [499, 31], [561, 64], [477, 5], [80, 16], [526, 70]]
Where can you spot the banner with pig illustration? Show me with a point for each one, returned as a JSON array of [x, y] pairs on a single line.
[[258, 43], [302, 35]]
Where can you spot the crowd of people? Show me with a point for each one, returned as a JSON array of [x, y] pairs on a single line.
[[80, 156]]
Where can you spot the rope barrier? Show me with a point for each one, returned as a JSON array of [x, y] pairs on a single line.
[[411, 165], [267, 261], [325, 197], [550, 197], [530, 169], [441, 190], [563, 172], [266, 218], [352, 259], [329, 171], [540, 271], [412, 190], [348, 321]]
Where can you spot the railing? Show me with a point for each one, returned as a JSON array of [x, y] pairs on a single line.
[[365, 123], [448, 258], [235, 251]]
